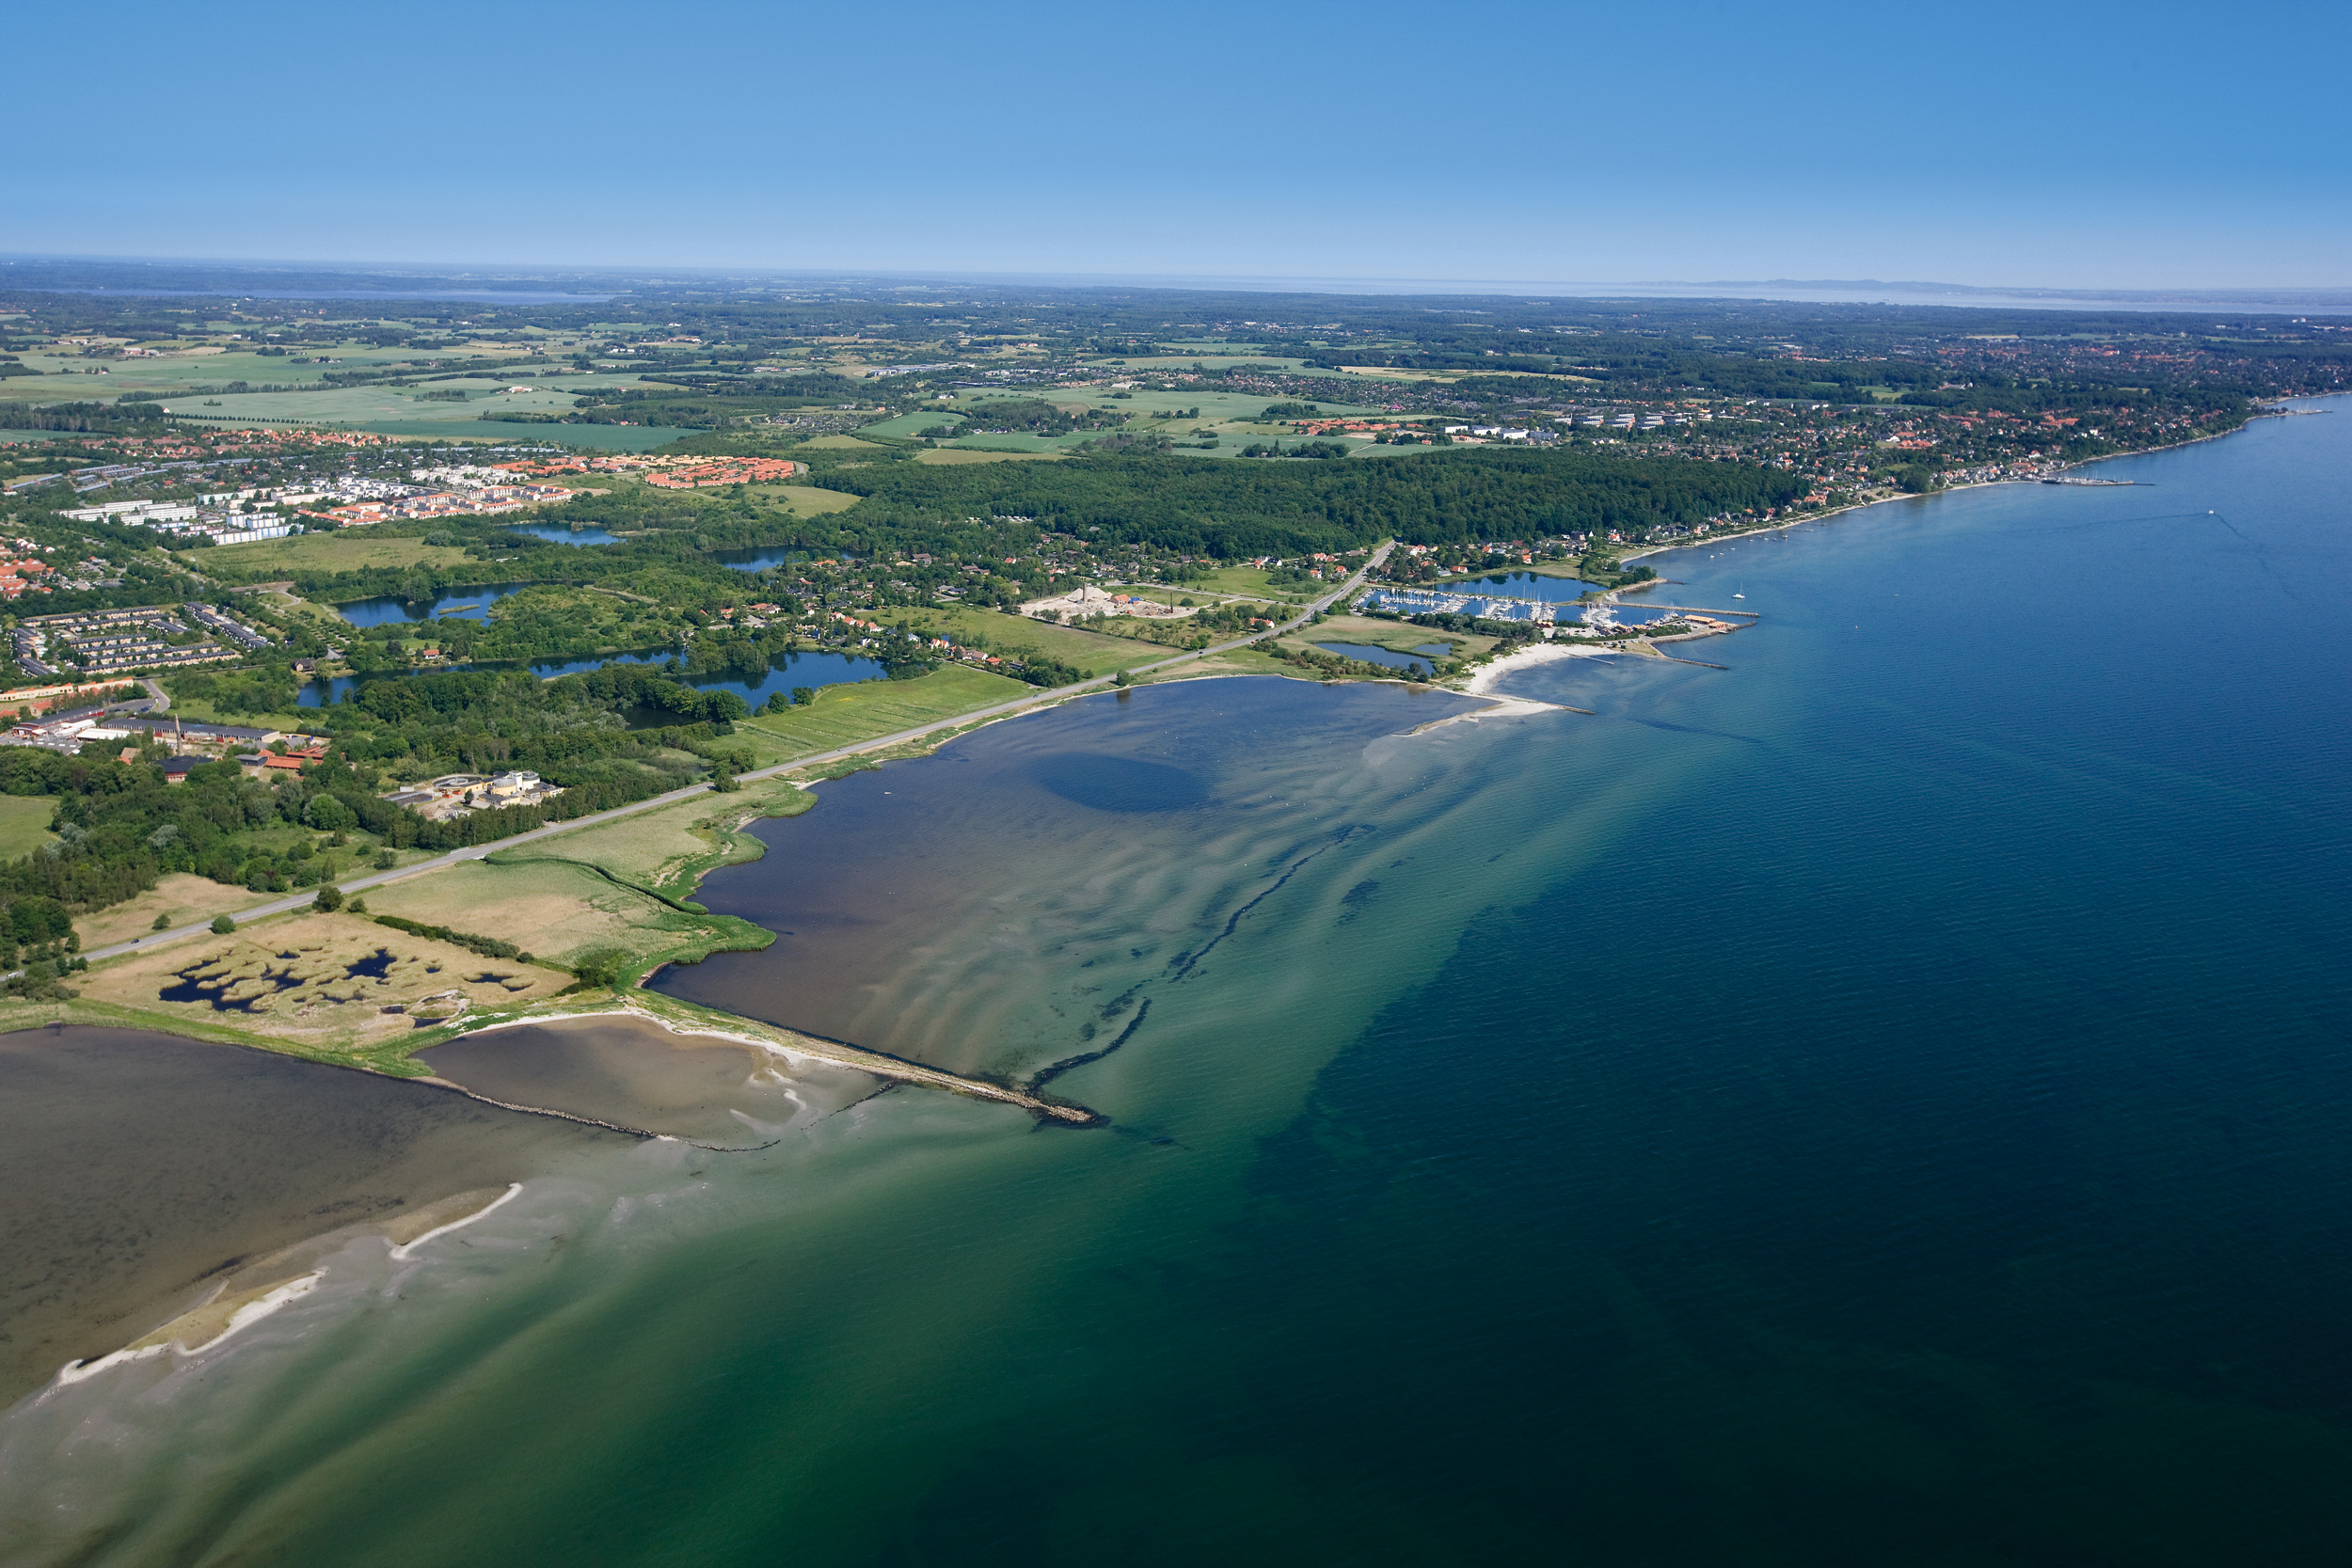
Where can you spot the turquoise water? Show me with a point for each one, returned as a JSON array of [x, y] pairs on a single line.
[[1886, 1102], [563, 533]]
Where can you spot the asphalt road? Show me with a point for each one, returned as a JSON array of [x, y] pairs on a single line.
[[479, 851]]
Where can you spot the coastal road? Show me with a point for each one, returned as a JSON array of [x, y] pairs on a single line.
[[480, 851]]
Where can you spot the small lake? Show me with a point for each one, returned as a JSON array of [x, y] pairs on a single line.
[[560, 533], [791, 670], [1372, 654], [457, 601], [752, 560]]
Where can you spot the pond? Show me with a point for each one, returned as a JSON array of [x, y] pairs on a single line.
[[1372, 654], [457, 601], [567, 534], [786, 671], [752, 560]]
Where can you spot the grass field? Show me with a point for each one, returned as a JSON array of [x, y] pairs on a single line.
[[24, 824], [844, 715], [560, 912], [914, 423], [838, 442], [347, 551], [179, 899], [1396, 636], [1089, 651], [805, 500], [1251, 580], [970, 455], [668, 847]]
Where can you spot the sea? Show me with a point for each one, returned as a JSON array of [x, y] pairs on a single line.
[[1882, 1095]]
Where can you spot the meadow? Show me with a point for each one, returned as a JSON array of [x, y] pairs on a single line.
[[1088, 651], [844, 715], [24, 824], [345, 550]]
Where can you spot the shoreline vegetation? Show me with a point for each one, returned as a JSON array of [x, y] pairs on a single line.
[[655, 866]]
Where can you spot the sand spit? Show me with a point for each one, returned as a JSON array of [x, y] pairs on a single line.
[[405, 1248], [201, 1329]]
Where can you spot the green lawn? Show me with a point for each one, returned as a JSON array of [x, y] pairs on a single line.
[[844, 715], [1088, 651], [23, 824], [914, 423], [1251, 580]]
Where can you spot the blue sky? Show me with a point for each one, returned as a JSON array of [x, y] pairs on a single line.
[[2072, 145]]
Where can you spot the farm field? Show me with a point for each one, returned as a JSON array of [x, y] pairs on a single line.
[[595, 437], [971, 454], [176, 371], [359, 404], [912, 424], [844, 715], [1088, 651]]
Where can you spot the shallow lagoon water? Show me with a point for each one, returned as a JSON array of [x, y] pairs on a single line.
[[1883, 1102], [1372, 654]]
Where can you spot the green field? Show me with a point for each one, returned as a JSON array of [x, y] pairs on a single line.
[[1088, 651], [350, 550], [24, 824], [1251, 580], [844, 715], [596, 438], [914, 423], [966, 454], [379, 408]]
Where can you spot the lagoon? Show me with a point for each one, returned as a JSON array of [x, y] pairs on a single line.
[[1394, 660]]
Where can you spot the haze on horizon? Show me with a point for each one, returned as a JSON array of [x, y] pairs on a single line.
[[2093, 147]]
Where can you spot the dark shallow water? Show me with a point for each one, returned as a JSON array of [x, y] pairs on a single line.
[[136, 1168], [1884, 1102]]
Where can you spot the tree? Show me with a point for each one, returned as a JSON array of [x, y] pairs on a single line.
[[330, 898], [222, 925]]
